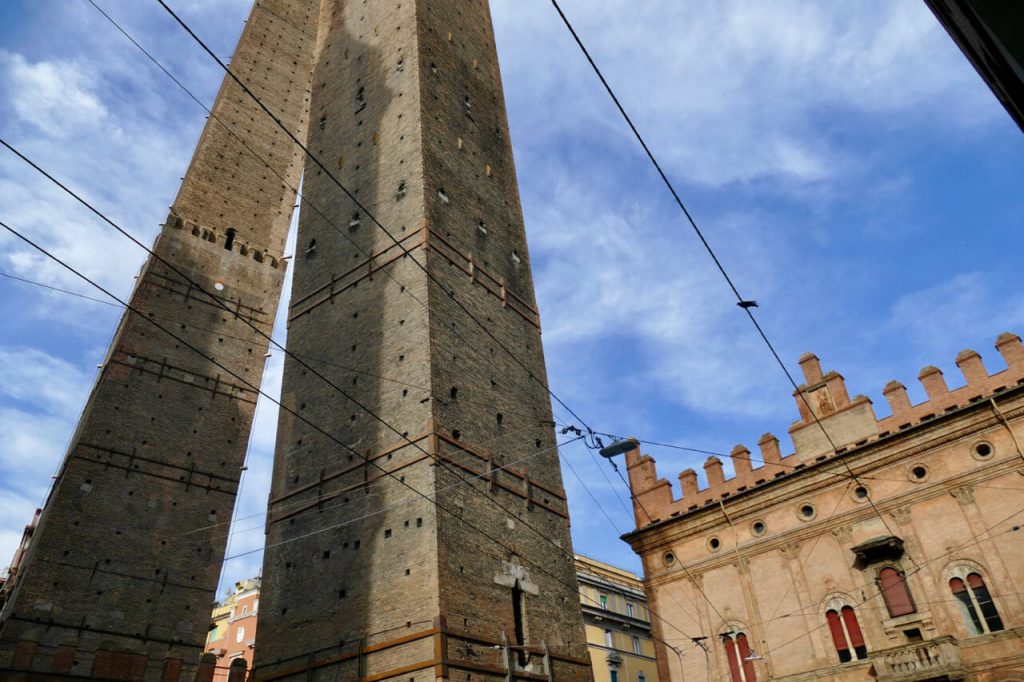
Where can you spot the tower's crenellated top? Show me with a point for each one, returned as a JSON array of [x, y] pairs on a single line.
[[825, 407]]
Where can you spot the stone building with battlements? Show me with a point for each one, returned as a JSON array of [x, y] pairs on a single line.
[[887, 548]]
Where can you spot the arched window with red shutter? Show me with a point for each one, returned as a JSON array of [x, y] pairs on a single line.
[[846, 634], [976, 606], [739, 656], [893, 586]]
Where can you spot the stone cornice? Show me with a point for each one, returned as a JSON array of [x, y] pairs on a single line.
[[835, 522]]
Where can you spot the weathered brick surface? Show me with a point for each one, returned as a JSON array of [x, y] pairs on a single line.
[[113, 572], [362, 577]]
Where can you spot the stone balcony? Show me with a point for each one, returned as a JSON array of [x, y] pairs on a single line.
[[935, 659]]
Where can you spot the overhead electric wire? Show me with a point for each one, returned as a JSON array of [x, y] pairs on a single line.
[[579, 478], [307, 203], [310, 358], [246, 382], [454, 514], [359, 204], [198, 287], [372, 217], [397, 242], [745, 304], [336, 492], [56, 289]]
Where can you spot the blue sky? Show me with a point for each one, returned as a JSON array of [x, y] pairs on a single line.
[[854, 174]]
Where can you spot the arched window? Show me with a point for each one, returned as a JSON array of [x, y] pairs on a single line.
[[976, 605], [893, 586], [846, 634], [737, 652]]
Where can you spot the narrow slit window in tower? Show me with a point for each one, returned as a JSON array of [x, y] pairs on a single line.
[[517, 615]]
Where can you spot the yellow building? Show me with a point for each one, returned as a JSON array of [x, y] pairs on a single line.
[[617, 622]]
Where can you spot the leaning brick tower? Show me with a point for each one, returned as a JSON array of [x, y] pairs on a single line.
[[124, 563], [363, 578]]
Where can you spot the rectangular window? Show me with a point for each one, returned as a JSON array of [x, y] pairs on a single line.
[[614, 675], [629, 610], [636, 645], [608, 640], [604, 601]]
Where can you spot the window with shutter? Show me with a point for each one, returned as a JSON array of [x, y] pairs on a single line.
[[976, 606], [894, 590]]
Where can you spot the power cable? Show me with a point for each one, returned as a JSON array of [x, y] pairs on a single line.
[[370, 215], [310, 358], [397, 242], [746, 305], [794, 467], [544, 536], [355, 200], [57, 289], [307, 203], [339, 491], [454, 514]]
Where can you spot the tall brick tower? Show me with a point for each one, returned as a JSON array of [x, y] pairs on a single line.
[[363, 578], [123, 566]]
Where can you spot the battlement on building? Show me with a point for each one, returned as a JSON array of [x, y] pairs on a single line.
[[849, 423], [229, 240]]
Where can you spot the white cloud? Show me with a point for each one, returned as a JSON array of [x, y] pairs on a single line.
[[33, 377], [730, 91], [966, 308], [54, 96]]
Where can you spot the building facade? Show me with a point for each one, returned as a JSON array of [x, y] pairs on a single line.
[[233, 628], [617, 623], [887, 548]]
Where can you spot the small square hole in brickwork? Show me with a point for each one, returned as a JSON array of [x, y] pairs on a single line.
[[327, 554], [387, 533]]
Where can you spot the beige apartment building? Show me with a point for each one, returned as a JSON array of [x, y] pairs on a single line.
[[617, 623], [887, 549]]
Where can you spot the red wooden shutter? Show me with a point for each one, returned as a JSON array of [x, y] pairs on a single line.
[[730, 655], [894, 591], [744, 652], [853, 627], [836, 628]]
